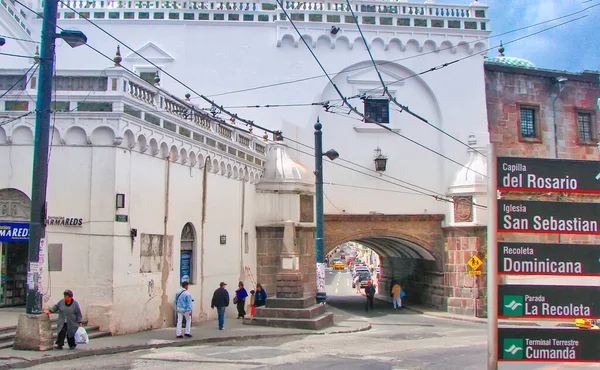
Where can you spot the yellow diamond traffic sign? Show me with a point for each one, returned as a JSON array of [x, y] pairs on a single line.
[[475, 262]]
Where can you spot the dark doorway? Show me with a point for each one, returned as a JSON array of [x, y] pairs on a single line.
[[14, 274]]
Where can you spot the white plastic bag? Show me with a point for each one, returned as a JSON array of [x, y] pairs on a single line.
[[81, 336]]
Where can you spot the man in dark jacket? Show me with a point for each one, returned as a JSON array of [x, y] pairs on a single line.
[[370, 293], [220, 300]]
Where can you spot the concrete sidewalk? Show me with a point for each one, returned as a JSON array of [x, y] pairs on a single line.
[[446, 315], [204, 332]]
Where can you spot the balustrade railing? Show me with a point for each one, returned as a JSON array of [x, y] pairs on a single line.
[[369, 12]]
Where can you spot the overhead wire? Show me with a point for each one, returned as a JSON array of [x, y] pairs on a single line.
[[409, 57], [353, 109], [35, 65], [17, 55], [19, 39], [393, 98], [213, 104]]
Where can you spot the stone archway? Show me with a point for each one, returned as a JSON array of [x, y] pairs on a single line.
[[15, 205], [411, 248]]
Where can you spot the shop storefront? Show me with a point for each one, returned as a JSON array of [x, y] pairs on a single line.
[[14, 237]]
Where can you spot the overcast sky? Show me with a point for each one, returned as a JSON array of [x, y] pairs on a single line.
[[575, 46]]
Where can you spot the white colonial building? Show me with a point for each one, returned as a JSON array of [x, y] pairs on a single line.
[[190, 180]]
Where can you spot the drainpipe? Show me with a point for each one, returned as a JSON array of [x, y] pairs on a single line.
[[165, 260], [559, 81], [242, 229], [204, 191]]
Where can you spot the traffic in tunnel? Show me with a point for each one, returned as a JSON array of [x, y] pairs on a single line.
[[383, 262]]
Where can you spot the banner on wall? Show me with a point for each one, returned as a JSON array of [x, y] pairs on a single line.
[[14, 232]]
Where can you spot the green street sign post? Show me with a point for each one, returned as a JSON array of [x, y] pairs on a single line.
[[548, 345]]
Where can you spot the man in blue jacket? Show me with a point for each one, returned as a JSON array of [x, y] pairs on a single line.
[[220, 300], [183, 302]]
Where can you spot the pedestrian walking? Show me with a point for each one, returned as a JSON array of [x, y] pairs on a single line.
[[260, 296], [69, 320], [357, 283], [396, 297], [220, 300], [370, 293], [240, 300], [183, 304]]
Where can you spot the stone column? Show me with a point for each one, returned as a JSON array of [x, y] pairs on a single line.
[[289, 279]]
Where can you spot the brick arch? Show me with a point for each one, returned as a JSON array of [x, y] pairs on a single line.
[[423, 230]]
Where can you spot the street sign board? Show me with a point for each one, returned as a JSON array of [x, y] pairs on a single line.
[[475, 273], [548, 217], [548, 259], [548, 345], [548, 302], [548, 175], [475, 262]]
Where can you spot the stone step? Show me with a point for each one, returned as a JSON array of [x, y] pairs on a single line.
[[316, 323], [290, 313], [303, 302], [7, 339]]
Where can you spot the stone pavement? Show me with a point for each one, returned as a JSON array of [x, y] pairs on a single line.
[[204, 332]]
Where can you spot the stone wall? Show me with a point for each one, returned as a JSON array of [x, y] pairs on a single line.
[[269, 244], [466, 294]]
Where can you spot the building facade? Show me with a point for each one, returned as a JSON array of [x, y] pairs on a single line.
[[140, 195]]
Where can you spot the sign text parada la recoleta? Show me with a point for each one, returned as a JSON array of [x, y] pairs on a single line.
[[545, 224], [532, 181]]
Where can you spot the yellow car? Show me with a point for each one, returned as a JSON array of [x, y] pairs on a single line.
[[338, 266]]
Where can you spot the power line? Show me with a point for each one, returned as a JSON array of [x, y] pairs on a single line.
[[409, 57], [18, 39], [221, 108], [387, 92], [483, 51], [19, 80], [353, 109], [17, 55]]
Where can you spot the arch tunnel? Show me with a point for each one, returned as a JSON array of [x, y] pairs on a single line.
[[410, 247], [406, 262]]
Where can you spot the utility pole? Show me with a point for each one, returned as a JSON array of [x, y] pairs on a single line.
[[37, 227], [320, 240]]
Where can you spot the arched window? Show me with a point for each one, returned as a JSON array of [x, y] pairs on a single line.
[[188, 244]]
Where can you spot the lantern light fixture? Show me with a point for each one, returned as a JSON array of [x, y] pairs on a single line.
[[380, 160]]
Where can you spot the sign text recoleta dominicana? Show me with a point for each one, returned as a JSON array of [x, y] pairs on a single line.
[[548, 175], [548, 345], [548, 217], [548, 259], [548, 302]]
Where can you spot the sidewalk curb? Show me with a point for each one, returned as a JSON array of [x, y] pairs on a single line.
[[137, 347], [469, 319]]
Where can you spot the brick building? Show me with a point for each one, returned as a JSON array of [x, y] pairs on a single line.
[[541, 113]]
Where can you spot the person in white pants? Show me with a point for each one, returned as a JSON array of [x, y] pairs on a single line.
[[183, 302], [397, 296]]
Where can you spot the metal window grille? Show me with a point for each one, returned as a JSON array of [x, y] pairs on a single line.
[[528, 122], [584, 127]]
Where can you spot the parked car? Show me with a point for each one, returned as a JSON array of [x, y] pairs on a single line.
[[363, 279]]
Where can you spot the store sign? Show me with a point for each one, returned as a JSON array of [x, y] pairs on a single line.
[[548, 217], [14, 232], [548, 345], [548, 302], [548, 175], [64, 221], [548, 259]]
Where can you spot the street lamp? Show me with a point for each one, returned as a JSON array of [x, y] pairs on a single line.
[[320, 240], [380, 161], [40, 150]]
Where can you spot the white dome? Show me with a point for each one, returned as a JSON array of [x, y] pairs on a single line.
[[280, 168], [470, 177]]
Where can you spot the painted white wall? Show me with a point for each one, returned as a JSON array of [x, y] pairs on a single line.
[[101, 264], [246, 55]]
